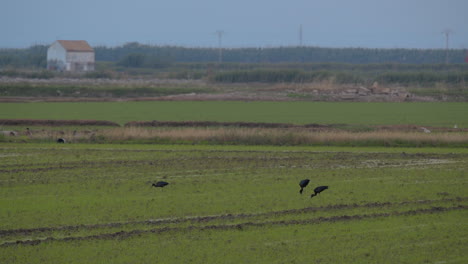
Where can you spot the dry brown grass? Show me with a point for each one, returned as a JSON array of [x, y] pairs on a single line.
[[326, 85], [259, 136]]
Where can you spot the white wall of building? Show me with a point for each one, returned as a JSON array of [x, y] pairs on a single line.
[[56, 52], [80, 57], [59, 59]]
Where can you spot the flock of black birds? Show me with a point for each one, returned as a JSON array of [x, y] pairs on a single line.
[[302, 184], [317, 190]]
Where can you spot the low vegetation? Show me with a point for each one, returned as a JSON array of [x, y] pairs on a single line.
[[188, 122], [36, 55], [96, 91], [241, 136], [396, 171], [434, 114], [61, 123], [79, 203], [233, 140], [341, 77]]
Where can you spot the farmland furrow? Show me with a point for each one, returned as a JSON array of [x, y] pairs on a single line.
[[240, 226], [204, 219], [91, 164]]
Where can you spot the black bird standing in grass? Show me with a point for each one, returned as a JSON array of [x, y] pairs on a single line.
[[318, 190], [303, 184], [160, 184]]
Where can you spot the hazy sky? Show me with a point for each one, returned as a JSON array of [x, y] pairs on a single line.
[[246, 23]]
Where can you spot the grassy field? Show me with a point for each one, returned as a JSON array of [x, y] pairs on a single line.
[[425, 114], [85, 203]]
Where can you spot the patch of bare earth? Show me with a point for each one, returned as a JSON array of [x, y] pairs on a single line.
[[320, 91]]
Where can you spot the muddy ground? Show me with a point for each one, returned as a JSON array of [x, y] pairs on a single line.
[[226, 92]]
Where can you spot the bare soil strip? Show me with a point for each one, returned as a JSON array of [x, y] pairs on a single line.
[[204, 219], [241, 226]]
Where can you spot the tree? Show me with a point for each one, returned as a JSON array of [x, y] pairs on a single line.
[[135, 60]]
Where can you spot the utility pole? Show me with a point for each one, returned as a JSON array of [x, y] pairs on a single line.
[[300, 35], [301, 59], [220, 34], [447, 33]]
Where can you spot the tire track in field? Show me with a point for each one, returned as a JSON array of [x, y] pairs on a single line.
[[240, 227], [122, 162], [334, 156], [77, 165], [205, 219]]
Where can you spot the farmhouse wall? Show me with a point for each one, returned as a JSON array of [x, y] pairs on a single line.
[[56, 57], [56, 52], [77, 57], [80, 57], [80, 61]]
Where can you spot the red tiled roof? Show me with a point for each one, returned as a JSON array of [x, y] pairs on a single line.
[[76, 45]]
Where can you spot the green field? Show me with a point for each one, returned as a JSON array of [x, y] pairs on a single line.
[[427, 114], [85, 203]]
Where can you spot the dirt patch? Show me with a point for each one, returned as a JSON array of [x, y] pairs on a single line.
[[220, 97], [416, 128], [315, 91], [405, 163]]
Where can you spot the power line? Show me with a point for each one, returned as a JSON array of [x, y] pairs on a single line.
[[300, 35], [220, 34], [447, 33]]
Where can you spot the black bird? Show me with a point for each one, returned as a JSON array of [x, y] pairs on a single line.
[[318, 190], [160, 184], [303, 184]]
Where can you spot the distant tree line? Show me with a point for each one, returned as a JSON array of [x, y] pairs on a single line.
[[139, 55], [341, 77], [283, 54], [141, 60], [32, 57]]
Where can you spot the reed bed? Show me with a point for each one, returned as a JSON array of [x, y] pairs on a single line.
[[256, 136]]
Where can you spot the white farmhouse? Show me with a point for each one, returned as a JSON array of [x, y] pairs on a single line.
[[70, 55]]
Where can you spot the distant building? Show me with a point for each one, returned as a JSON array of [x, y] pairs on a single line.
[[70, 55]]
